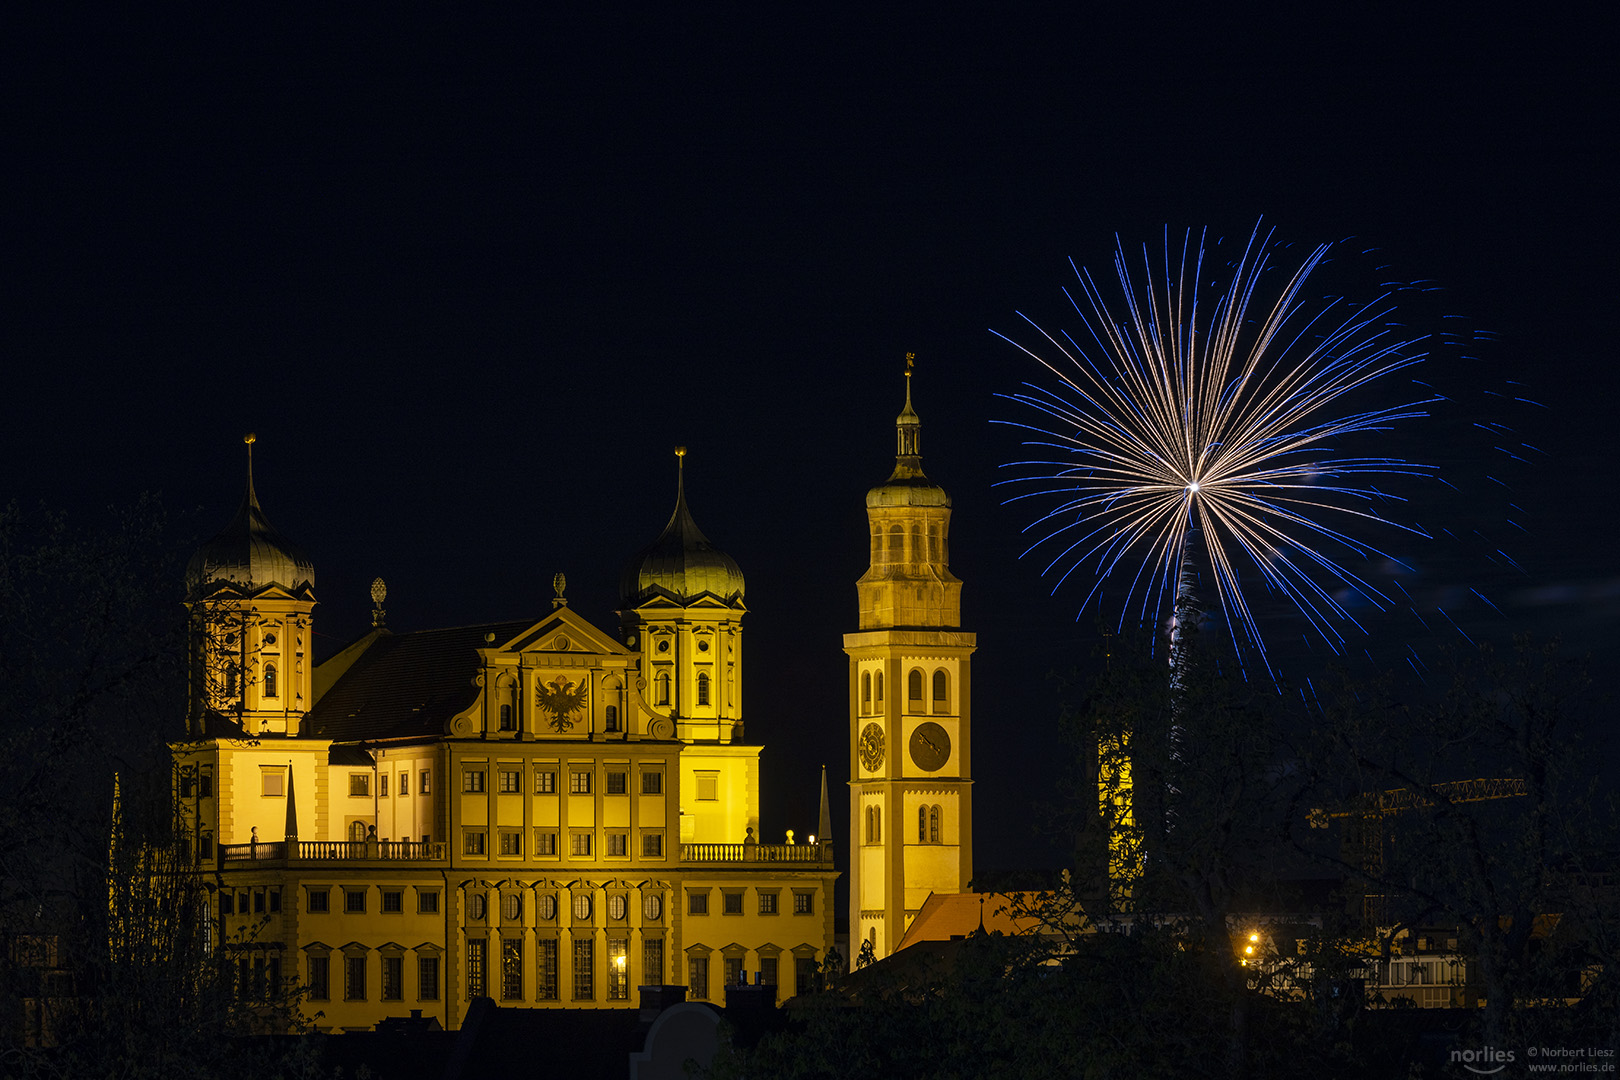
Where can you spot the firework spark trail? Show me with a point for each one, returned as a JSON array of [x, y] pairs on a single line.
[[1215, 424]]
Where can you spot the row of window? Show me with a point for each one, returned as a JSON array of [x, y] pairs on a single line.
[[661, 688], [806, 973], [581, 844], [618, 906], [580, 781], [355, 972], [929, 829], [360, 783], [941, 686], [731, 901], [427, 903], [889, 547]]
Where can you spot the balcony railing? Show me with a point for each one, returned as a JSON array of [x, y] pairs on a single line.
[[814, 854], [321, 850]]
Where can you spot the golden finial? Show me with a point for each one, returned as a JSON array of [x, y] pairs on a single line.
[[250, 438], [680, 451], [911, 362]]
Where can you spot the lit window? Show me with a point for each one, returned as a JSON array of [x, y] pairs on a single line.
[[475, 968], [582, 906], [545, 843], [767, 903], [511, 782], [580, 844], [804, 903], [360, 784], [472, 780], [511, 843], [618, 970], [474, 844], [422, 782], [616, 907], [545, 783], [357, 831], [652, 907], [584, 969], [511, 969], [511, 907], [579, 783]]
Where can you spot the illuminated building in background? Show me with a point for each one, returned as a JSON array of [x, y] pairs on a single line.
[[911, 788], [539, 811]]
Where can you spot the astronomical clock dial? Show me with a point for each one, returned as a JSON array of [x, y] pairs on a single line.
[[871, 747], [930, 747]]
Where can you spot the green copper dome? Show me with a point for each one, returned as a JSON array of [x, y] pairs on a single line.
[[681, 565]]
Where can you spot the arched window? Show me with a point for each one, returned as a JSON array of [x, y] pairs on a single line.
[[663, 688], [933, 543], [612, 715], [914, 685], [866, 692], [942, 691], [357, 831], [507, 722], [880, 686], [933, 824], [922, 824], [703, 689], [270, 681], [916, 543], [877, 543], [893, 554], [874, 825]]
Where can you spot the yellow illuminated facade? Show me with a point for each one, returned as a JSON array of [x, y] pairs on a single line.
[[541, 812], [911, 787]]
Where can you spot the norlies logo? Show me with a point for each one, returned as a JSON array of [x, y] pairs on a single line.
[[1485, 1061]]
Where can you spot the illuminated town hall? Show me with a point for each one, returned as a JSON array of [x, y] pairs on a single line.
[[547, 813]]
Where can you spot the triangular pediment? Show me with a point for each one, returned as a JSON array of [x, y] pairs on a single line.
[[706, 602], [563, 631]]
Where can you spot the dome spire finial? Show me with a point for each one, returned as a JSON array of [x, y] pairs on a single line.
[[250, 439], [680, 474], [908, 428]]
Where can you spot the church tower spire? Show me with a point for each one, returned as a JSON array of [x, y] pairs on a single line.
[[911, 795]]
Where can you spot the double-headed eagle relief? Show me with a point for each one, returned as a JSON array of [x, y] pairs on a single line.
[[562, 700]]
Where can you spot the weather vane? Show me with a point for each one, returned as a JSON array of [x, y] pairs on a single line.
[[911, 362]]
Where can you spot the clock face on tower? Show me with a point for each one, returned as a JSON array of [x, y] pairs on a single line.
[[930, 747], [871, 748]]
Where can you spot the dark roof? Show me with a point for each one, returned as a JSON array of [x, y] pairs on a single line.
[[681, 565], [250, 553], [406, 685], [554, 1042]]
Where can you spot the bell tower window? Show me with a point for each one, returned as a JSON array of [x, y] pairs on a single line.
[[942, 691], [866, 692], [702, 689], [663, 687], [914, 686], [270, 688]]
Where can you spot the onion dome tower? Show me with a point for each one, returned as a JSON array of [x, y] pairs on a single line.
[[911, 787], [682, 606], [250, 592]]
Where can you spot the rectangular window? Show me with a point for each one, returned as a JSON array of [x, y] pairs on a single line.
[[733, 903], [511, 969], [697, 977], [804, 903], [697, 903], [422, 781], [404, 783], [708, 786], [617, 843], [258, 901], [584, 969], [427, 901], [393, 978], [545, 783], [354, 901], [508, 719], [185, 787], [319, 901], [511, 782], [273, 782], [767, 972], [767, 902], [205, 847], [806, 975], [545, 843], [360, 784], [472, 780], [734, 972], [382, 786], [511, 843], [545, 955], [580, 844], [205, 785], [616, 783], [579, 783], [618, 969], [354, 978], [473, 844], [652, 961], [320, 978], [273, 899], [475, 968], [427, 978], [652, 845], [393, 901], [652, 783]]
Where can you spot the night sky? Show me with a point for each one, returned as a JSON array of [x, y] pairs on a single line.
[[471, 279]]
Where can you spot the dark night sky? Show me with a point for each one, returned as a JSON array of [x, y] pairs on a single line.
[[470, 279]]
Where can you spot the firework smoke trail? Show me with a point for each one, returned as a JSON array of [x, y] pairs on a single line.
[[1205, 417]]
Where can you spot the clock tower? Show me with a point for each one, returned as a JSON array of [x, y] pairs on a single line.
[[911, 788]]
